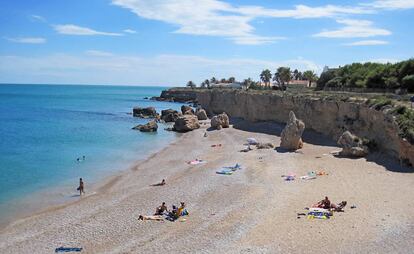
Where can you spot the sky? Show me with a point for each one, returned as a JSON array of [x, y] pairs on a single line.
[[168, 42]]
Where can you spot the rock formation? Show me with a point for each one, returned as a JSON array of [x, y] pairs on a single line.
[[186, 123], [170, 115], [264, 146], [187, 110], [220, 121], [352, 145], [291, 137], [201, 114], [149, 112], [151, 126]]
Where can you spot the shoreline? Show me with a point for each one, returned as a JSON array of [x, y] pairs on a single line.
[[52, 202], [253, 210]]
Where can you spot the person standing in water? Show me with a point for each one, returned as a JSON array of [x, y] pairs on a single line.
[[81, 187]]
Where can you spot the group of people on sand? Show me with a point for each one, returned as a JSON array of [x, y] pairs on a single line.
[[162, 212], [327, 204]]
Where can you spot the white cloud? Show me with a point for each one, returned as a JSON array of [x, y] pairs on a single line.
[[354, 29], [134, 70], [37, 18], [218, 18], [366, 43], [70, 29], [130, 31], [392, 4], [93, 52], [27, 40]]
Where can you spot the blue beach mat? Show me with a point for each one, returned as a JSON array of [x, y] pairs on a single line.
[[63, 249]]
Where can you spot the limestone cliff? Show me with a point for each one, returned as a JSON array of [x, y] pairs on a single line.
[[330, 117]]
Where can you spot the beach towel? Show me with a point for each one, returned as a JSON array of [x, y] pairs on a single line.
[[63, 249], [225, 171], [196, 162], [311, 175]]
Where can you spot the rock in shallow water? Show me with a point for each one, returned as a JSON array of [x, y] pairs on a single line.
[[170, 115], [144, 112], [148, 127], [291, 137]]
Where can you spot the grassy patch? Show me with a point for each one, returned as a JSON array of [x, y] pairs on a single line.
[[405, 120]]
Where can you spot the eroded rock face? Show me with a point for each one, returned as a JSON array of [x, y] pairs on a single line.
[[186, 123], [201, 114], [352, 146], [220, 121], [170, 115], [291, 137], [151, 126], [187, 110], [149, 112]]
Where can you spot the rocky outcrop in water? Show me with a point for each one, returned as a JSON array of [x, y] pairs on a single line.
[[220, 121], [151, 126], [148, 112], [178, 95], [291, 137], [352, 146], [201, 114], [186, 123], [170, 115]]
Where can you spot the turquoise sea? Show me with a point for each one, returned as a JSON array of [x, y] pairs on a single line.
[[45, 128]]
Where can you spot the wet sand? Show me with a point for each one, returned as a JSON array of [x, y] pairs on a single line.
[[252, 211]]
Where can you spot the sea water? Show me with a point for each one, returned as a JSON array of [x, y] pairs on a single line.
[[44, 129]]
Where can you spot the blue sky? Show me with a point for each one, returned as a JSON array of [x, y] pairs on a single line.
[[167, 42]]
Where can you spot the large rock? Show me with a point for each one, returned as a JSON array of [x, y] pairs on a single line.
[[187, 110], [220, 121], [352, 146], [291, 137], [170, 115], [186, 123], [151, 126], [149, 112], [201, 114]]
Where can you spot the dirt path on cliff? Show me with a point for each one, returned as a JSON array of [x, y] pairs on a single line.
[[252, 211]]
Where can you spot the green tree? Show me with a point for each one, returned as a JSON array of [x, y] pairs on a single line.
[[207, 83], [232, 80], [266, 76], [310, 76], [248, 82], [297, 75], [282, 76], [191, 84], [213, 80]]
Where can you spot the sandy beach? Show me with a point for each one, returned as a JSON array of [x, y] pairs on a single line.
[[254, 210]]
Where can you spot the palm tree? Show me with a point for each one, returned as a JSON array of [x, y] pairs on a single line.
[[213, 80], [191, 84], [297, 75], [265, 76], [282, 76], [248, 82], [310, 76], [207, 83]]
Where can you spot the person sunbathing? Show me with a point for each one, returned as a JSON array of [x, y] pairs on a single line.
[[339, 207], [159, 184], [151, 217], [161, 209]]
